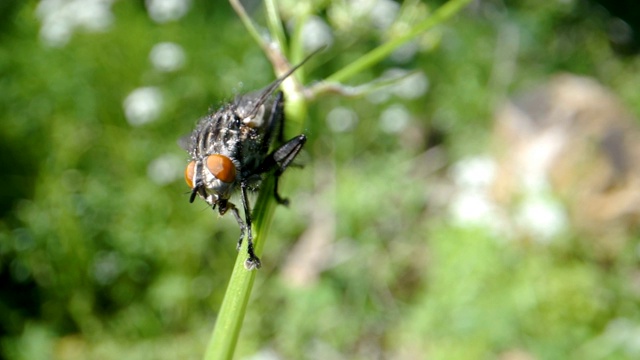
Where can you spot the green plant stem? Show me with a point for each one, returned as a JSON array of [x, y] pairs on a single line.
[[376, 55], [226, 331], [275, 24], [296, 53], [225, 334], [248, 24]]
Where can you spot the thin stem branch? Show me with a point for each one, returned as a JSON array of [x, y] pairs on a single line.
[[274, 24], [376, 55], [248, 24]]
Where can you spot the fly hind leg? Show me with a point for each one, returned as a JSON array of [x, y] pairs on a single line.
[[280, 159]]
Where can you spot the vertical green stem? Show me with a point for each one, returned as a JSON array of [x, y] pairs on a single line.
[[225, 334], [275, 24]]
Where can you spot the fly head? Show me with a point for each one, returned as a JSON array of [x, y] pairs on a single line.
[[213, 178]]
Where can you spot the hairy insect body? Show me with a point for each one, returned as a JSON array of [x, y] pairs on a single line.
[[229, 151]]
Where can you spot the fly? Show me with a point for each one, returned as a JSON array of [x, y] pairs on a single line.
[[229, 151]]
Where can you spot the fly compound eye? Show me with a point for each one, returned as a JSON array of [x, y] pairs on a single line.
[[221, 167], [189, 172]]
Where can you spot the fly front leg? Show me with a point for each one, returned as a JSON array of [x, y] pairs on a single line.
[[241, 224], [252, 262], [223, 206]]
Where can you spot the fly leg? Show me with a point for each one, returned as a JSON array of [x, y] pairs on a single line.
[[222, 209], [279, 113], [280, 159], [240, 224], [253, 262]]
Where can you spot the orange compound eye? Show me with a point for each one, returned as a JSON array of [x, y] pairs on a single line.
[[221, 167], [189, 172]]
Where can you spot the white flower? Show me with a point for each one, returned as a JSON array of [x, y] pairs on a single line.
[[394, 119], [167, 56], [316, 34], [143, 105], [162, 11], [60, 18], [166, 169], [341, 119]]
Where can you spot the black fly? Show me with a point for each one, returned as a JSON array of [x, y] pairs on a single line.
[[229, 149]]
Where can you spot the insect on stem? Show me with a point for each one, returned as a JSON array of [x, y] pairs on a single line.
[[229, 151]]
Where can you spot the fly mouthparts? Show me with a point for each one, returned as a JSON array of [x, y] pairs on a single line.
[[194, 192]]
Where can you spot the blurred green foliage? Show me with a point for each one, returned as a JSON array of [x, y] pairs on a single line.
[[99, 259]]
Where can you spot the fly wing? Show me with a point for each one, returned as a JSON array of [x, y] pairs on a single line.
[[185, 142]]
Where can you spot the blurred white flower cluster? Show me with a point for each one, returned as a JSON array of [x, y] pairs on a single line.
[[538, 215], [60, 18], [167, 57], [143, 105], [162, 11]]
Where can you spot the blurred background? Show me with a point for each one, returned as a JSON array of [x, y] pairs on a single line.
[[482, 205]]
